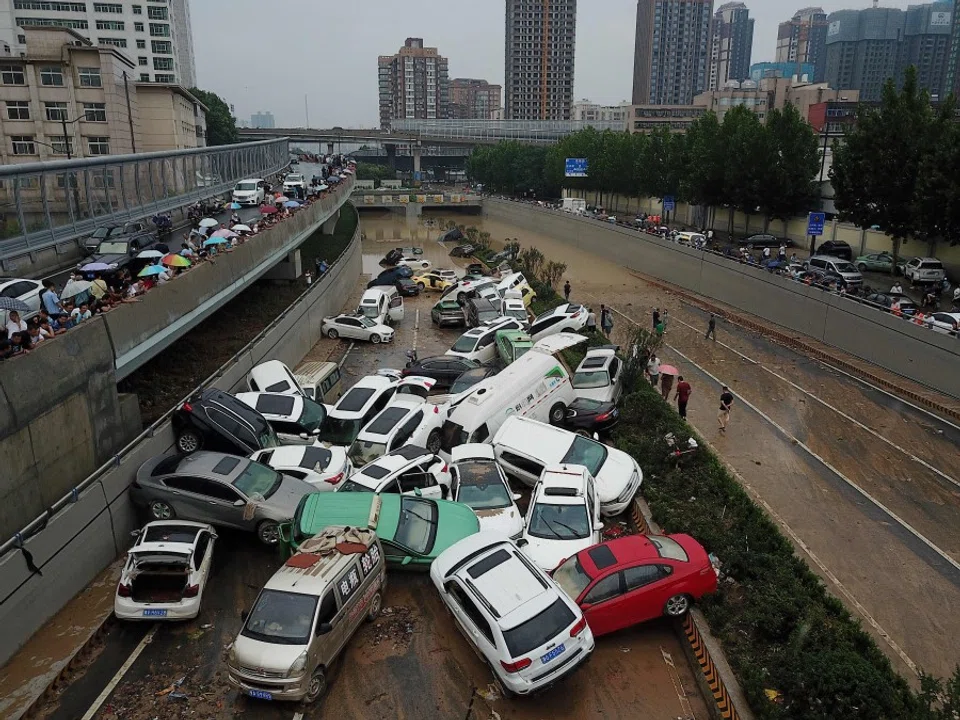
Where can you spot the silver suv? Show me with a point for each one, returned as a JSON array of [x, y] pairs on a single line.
[[924, 270], [823, 265]]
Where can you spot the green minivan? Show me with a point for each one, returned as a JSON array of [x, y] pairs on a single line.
[[511, 344], [412, 529]]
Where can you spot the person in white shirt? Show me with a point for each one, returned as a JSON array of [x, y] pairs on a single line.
[[15, 324], [896, 289], [163, 277]]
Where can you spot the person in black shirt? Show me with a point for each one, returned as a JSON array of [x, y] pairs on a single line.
[[656, 317], [726, 401], [711, 328]]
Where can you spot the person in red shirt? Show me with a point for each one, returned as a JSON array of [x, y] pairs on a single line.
[[683, 396]]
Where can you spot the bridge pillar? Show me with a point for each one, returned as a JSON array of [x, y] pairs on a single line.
[[417, 151], [290, 268], [329, 148], [391, 155], [331, 224]]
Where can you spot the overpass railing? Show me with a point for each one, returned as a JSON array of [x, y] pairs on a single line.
[[45, 204], [536, 131]]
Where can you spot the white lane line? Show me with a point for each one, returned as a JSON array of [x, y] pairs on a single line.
[[298, 716], [111, 686], [839, 412], [349, 350], [416, 330]]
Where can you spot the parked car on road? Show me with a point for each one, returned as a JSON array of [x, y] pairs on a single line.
[[447, 312], [414, 261], [568, 317], [119, 253], [353, 326], [762, 240], [824, 266], [442, 368], [109, 232], [924, 271], [637, 578], [479, 344], [24, 290], [478, 481], [944, 322], [887, 300], [587, 417], [219, 489], [215, 420], [836, 248], [165, 572], [479, 311], [323, 467], [878, 262], [431, 282], [408, 470], [273, 376], [320, 381]]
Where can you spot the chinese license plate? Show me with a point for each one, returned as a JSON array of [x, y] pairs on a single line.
[[557, 651], [154, 612], [260, 694]]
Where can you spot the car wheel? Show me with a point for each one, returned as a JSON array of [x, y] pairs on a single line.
[[375, 339], [461, 298], [433, 441], [160, 510], [332, 334], [189, 441], [375, 605], [317, 686], [422, 286], [677, 606], [268, 532], [584, 433], [557, 413], [862, 267]]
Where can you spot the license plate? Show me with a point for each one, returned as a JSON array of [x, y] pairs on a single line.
[[154, 612], [260, 694], [556, 652]]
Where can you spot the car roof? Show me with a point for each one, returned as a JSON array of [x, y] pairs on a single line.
[[472, 451], [292, 456], [562, 485], [389, 419], [623, 550], [273, 405], [378, 383], [396, 460], [534, 433], [250, 180], [212, 465], [299, 575], [512, 588]]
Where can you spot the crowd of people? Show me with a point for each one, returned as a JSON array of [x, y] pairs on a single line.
[[109, 289]]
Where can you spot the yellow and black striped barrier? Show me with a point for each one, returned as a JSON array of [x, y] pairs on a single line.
[[714, 682]]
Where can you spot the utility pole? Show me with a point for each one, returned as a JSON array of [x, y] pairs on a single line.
[[66, 140], [306, 109], [126, 89]]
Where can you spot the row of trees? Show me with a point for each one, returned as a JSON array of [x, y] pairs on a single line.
[[742, 163], [221, 124]]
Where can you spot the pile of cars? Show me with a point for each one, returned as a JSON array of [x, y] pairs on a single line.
[[500, 488]]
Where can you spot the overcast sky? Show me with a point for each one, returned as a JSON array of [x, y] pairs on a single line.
[[267, 57]]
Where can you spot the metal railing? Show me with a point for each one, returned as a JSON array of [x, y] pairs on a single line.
[[45, 204], [529, 131]]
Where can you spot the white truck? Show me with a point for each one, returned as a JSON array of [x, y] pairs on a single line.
[[574, 205]]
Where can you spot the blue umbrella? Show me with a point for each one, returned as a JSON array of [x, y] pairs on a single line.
[[151, 270], [333, 179], [215, 241], [234, 206], [291, 204]]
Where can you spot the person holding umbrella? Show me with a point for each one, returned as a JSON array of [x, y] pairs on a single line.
[[667, 373]]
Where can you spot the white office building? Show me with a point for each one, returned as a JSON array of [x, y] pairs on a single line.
[[155, 34]]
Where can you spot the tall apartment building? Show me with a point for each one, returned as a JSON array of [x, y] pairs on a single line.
[[926, 44], [586, 111], [672, 51], [539, 59], [472, 99], [952, 81], [155, 34], [731, 45], [414, 84], [803, 39], [262, 119]]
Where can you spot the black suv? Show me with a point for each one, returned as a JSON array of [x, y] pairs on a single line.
[[215, 420], [836, 248], [478, 311], [121, 252], [110, 232]]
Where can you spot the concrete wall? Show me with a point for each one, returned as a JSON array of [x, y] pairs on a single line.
[[877, 337], [87, 535]]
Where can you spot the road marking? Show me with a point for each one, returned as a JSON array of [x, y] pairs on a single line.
[[685, 706], [349, 350], [111, 686], [416, 330], [298, 716]]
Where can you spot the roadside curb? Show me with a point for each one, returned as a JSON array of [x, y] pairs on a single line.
[[716, 678]]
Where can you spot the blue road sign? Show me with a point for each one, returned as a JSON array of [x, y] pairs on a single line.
[[815, 223], [669, 203], [576, 167]]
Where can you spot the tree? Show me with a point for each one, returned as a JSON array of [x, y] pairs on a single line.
[[221, 124], [748, 153], [790, 187], [876, 169], [377, 173], [937, 203], [702, 182]]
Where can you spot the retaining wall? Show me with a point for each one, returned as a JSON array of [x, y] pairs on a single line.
[[85, 536], [914, 352]]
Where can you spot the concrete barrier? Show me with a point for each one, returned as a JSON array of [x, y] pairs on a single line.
[[906, 349], [88, 533]]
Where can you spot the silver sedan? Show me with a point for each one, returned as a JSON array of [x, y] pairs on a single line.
[[220, 489]]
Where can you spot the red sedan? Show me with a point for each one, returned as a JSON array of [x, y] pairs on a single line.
[[636, 578]]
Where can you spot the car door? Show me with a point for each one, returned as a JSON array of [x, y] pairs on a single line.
[[203, 557], [603, 605], [233, 436], [225, 506], [402, 437], [616, 374], [485, 349], [396, 308], [185, 495], [648, 586], [471, 622]]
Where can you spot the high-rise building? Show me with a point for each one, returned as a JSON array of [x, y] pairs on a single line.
[[472, 99], [926, 44], [414, 84], [952, 82], [863, 49], [157, 37], [672, 51], [803, 39], [731, 44], [539, 59], [587, 112], [262, 119]]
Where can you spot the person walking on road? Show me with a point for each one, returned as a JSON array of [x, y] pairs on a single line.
[[666, 385], [711, 328], [591, 321], [682, 396], [566, 291], [726, 401], [606, 320], [656, 317], [653, 369]]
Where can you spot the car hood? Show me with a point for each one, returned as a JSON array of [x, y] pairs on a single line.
[[108, 259], [547, 553], [602, 394], [614, 476], [271, 657], [283, 503], [506, 520], [455, 521]]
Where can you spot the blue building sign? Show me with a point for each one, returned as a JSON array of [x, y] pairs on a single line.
[[815, 223], [669, 203], [576, 167]]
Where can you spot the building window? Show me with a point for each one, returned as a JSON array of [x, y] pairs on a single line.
[[161, 47], [159, 30], [62, 145], [115, 8], [46, 22], [95, 112], [58, 6], [141, 60], [55, 111], [18, 110], [138, 10], [110, 25], [157, 13], [51, 76], [23, 145], [89, 77], [98, 145], [163, 63], [160, 78], [13, 75], [144, 77], [114, 42], [141, 44], [138, 26]]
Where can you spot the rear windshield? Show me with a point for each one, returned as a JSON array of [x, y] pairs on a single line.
[[586, 452], [363, 452], [587, 379], [351, 486], [170, 533], [845, 267], [281, 618], [539, 630], [480, 485], [355, 399], [669, 548], [338, 431]]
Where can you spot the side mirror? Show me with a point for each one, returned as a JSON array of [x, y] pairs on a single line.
[[522, 542], [135, 533], [596, 436], [418, 492], [517, 496], [304, 436], [315, 433], [324, 628], [244, 614], [238, 503], [406, 561]]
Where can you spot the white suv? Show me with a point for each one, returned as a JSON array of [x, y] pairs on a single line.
[[249, 192], [529, 632], [408, 419], [479, 344], [411, 470], [563, 318], [924, 270], [599, 375], [563, 517]]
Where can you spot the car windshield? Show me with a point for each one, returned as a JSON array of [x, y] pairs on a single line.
[[538, 630], [572, 577], [417, 529], [281, 618], [246, 186], [362, 452], [312, 416], [559, 522], [100, 232], [351, 486], [339, 431], [112, 247], [465, 344], [587, 379], [669, 548], [589, 453], [257, 479], [465, 381], [845, 267], [268, 438], [370, 311], [481, 487], [366, 322]]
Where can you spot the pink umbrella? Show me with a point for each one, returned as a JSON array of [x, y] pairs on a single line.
[[268, 209], [669, 370], [280, 198], [224, 233]]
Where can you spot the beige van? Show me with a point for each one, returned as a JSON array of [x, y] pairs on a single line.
[[321, 381], [306, 614]]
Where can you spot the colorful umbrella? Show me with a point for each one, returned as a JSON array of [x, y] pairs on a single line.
[[234, 206], [209, 222], [291, 204], [174, 260], [268, 209], [94, 267], [215, 241], [669, 370], [242, 228], [151, 270], [224, 233], [149, 254], [280, 198]]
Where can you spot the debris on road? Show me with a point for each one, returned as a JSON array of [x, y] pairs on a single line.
[[396, 624], [491, 694]]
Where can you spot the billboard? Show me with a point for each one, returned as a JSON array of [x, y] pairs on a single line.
[[576, 167], [940, 19]]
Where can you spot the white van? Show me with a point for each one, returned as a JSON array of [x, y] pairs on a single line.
[[536, 385], [382, 304], [320, 381]]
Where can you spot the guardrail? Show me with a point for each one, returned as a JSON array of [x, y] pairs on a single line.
[[46, 204]]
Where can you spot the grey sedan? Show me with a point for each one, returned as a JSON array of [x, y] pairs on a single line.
[[219, 489]]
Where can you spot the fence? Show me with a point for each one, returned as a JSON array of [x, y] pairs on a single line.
[[46, 204]]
